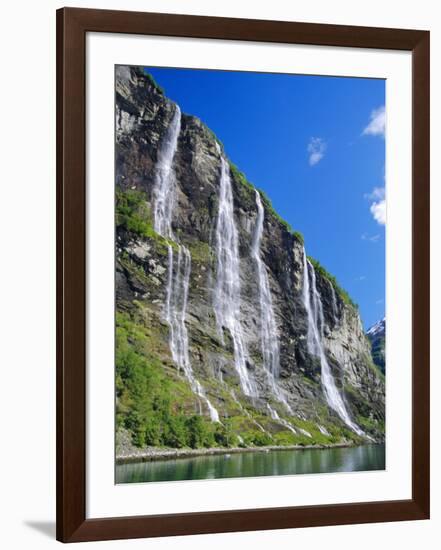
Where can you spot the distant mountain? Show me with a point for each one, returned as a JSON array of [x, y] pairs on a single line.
[[377, 336]]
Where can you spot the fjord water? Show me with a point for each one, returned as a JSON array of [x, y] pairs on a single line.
[[254, 464]]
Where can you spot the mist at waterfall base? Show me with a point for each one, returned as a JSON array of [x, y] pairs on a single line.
[[291, 109]]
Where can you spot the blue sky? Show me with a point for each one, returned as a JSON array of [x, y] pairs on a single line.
[[316, 146]]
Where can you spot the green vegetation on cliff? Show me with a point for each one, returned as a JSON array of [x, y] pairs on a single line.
[[157, 407], [151, 403], [331, 278], [242, 179], [378, 353], [157, 403], [153, 82], [132, 213]]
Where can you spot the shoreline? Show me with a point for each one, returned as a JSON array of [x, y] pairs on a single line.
[[154, 454]]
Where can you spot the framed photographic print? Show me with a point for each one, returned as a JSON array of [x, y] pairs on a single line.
[[227, 270]]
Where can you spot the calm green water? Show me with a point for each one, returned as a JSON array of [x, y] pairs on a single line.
[[273, 463]]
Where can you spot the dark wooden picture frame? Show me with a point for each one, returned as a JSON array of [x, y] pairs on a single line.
[[72, 26]]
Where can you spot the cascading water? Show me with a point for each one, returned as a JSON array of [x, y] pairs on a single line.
[[246, 413], [226, 295], [165, 185], [334, 302], [275, 416], [179, 271], [313, 305], [175, 313], [269, 336], [323, 430], [268, 329]]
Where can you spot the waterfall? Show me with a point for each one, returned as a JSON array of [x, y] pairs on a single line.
[[175, 313], [268, 332], [226, 295], [246, 413], [275, 416], [313, 305], [323, 430], [179, 271], [334, 302], [269, 337], [165, 185]]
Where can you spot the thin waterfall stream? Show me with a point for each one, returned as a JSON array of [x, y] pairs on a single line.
[[226, 292], [179, 270], [269, 337], [334, 302], [314, 308], [268, 330]]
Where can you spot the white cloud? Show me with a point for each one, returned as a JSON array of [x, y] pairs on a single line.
[[316, 149], [378, 206], [378, 193], [361, 278], [371, 238], [378, 210], [377, 123]]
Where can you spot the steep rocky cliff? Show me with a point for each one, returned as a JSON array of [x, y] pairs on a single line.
[[377, 337], [226, 332]]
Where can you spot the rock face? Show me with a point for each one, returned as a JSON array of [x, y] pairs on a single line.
[[286, 406], [377, 337]]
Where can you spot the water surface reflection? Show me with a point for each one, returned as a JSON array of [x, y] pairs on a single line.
[[254, 464]]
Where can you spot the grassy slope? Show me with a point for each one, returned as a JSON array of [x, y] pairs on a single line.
[[154, 403]]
